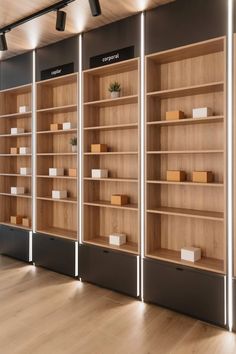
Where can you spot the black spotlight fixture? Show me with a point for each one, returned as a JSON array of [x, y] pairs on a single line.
[[61, 21], [3, 42], [95, 7]]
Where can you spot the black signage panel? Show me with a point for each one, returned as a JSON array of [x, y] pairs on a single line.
[[57, 71], [112, 57]]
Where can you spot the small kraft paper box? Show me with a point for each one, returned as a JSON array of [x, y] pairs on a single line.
[[24, 150], [72, 172], [174, 115], [59, 194], [99, 148], [26, 222], [202, 176], [55, 126], [56, 171], [17, 190], [119, 199], [117, 239], [175, 176], [25, 171], [16, 219], [202, 112], [24, 109], [97, 173], [68, 125], [14, 150], [15, 131], [191, 254]]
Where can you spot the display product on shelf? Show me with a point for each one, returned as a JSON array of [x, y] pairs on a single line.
[[117, 239], [119, 199], [56, 194], [68, 125], [98, 173], [25, 170], [24, 109], [99, 148], [17, 190], [202, 176], [202, 112], [26, 222], [174, 115], [16, 219], [72, 172], [15, 131], [14, 150], [191, 254], [56, 171], [55, 126], [175, 175], [24, 150]]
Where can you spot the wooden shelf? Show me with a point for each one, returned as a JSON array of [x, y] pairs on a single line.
[[113, 127], [61, 131], [210, 264], [16, 115], [191, 213], [129, 247], [105, 204], [18, 89], [114, 68], [57, 177], [186, 121], [18, 226], [15, 155], [60, 109], [187, 183], [113, 101], [59, 80], [124, 180], [188, 91], [16, 135], [186, 152], [27, 196], [65, 200], [57, 154], [14, 175], [58, 232], [111, 153]]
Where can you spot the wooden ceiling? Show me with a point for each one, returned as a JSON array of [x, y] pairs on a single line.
[[41, 31]]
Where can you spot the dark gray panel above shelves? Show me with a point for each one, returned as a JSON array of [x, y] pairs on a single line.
[[16, 71], [117, 35], [184, 22], [56, 54]]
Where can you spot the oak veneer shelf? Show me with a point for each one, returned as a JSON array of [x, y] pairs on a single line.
[[187, 152], [105, 204], [62, 200], [59, 232], [15, 175], [113, 127], [57, 154], [187, 183], [56, 177], [15, 135], [16, 115], [186, 121], [59, 109], [129, 247], [27, 196], [15, 225], [113, 101], [125, 180], [60, 131], [111, 153], [15, 155]]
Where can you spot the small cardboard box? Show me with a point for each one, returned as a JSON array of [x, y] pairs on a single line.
[[16, 219], [97, 173], [72, 172], [24, 150], [25, 171], [117, 239], [15, 131], [55, 126], [98, 148], [68, 125], [26, 222], [174, 115], [202, 112], [14, 150], [119, 199], [175, 176], [24, 109], [202, 176], [59, 194], [191, 254], [56, 171], [17, 190]]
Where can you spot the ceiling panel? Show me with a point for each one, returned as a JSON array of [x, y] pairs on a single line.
[[41, 31]]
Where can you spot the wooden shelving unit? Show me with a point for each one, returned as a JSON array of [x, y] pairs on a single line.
[[10, 164], [57, 103], [180, 214], [114, 122]]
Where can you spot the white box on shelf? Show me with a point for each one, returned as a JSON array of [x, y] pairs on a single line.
[[191, 254], [24, 150], [56, 171], [24, 109], [97, 173], [17, 190], [202, 112], [25, 171], [59, 194], [117, 239], [68, 125], [15, 131]]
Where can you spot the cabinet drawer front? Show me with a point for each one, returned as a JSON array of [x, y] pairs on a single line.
[[195, 293], [109, 269], [14, 243], [54, 253]]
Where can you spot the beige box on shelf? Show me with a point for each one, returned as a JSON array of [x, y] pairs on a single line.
[[174, 115], [17, 190], [24, 150], [202, 112], [68, 125], [55, 126], [72, 172], [191, 254], [25, 171], [98, 173], [56, 171], [24, 109], [16, 219], [59, 194], [119, 199], [202, 176], [175, 175], [14, 150], [15, 131], [26, 222], [117, 239], [98, 148]]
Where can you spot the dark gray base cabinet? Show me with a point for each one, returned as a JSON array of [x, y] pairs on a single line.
[[14, 242], [234, 305], [54, 253], [109, 269], [193, 292]]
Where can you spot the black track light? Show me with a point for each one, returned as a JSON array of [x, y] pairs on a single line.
[[61, 20], [95, 7], [3, 42]]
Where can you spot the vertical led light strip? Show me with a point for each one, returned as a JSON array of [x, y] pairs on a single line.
[[33, 151], [142, 147], [230, 161], [80, 140]]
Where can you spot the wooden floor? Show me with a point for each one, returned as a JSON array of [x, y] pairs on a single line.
[[45, 313]]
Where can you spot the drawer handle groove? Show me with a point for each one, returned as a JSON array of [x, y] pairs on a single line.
[[179, 269]]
